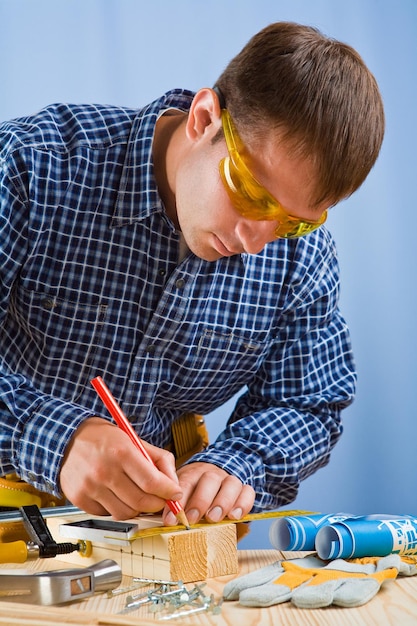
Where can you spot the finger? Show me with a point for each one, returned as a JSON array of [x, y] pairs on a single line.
[[126, 500], [110, 505], [109, 489], [152, 482], [203, 493], [152, 479], [90, 506], [243, 504], [164, 461], [122, 500], [104, 472], [229, 498], [100, 500], [199, 487]]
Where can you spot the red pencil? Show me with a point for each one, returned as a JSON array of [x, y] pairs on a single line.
[[124, 424]]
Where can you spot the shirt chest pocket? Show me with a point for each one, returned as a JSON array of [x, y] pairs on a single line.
[[55, 340], [224, 361]]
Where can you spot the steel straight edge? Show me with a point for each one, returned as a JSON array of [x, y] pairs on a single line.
[[68, 511]]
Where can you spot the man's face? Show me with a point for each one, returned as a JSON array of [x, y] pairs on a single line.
[[211, 225]]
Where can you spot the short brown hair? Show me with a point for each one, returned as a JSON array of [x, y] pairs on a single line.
[[319, 93]]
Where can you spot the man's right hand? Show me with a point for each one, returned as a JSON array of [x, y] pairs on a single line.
[[104, 473]]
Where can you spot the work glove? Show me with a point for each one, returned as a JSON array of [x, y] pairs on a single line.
[[311, 583]]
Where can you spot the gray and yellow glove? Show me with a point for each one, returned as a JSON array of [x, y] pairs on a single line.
[[311, 583]]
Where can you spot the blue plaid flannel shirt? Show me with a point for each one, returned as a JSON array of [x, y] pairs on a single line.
[[91, 285]]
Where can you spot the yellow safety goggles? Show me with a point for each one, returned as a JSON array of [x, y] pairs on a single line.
[[249, 197]]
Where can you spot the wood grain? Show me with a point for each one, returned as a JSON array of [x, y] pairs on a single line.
[[188, 555], [394, 605], [204, 553]]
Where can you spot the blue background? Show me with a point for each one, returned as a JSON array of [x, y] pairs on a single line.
[[129, 52]]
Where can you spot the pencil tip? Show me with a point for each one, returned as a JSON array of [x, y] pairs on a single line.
[[182, 518]]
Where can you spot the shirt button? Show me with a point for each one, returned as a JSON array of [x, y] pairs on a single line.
[[151, 348], [48, 304], [180, 283], [162, 272]]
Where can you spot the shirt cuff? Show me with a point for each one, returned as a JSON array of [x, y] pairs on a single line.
[[43, 442], [246, 466]]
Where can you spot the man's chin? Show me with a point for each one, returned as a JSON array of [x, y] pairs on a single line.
[[206, 253]]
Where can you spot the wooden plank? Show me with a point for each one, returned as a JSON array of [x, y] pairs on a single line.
[[32, 615], [188, 555], [203, 553], [394, 604]]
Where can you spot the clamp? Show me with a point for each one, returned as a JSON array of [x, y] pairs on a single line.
[[41, 545]]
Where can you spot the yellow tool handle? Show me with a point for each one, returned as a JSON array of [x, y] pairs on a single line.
[[13, 552]]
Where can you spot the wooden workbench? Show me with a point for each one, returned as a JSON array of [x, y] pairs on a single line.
[[395, 604]]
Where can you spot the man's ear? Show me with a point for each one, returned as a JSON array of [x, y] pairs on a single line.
[[204, 114]]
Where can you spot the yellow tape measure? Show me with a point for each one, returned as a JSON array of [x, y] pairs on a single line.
[[160, 530]]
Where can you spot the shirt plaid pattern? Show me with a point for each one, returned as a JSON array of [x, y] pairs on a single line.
[[91, 285]]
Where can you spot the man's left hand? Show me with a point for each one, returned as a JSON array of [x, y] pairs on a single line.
[[212, 493]]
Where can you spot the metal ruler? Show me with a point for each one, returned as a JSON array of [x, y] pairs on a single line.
[[160, 530], [153, 531]]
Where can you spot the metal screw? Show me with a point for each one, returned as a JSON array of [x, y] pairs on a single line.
[[131, 605], [198, 609], [154, 581], [120, 590], [196, 606], [164, 597]]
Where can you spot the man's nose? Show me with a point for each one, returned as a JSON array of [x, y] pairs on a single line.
[[254, 234]]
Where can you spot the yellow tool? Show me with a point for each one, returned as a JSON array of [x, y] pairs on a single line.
[[42, 544], [18, 551], [160, 530], [21, 551]]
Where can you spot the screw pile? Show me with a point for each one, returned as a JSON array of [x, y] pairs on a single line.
[[171, 598]]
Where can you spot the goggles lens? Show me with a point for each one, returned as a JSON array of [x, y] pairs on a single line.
[[249, 197]]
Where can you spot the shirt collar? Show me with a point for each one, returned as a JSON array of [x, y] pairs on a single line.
[[138, 195]]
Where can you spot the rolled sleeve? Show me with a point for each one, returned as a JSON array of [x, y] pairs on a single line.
[[35, 433]]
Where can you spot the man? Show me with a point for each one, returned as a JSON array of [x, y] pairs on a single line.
[[178, 251]]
